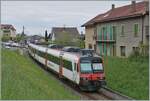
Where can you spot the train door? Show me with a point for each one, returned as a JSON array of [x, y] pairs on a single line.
[[75, 73], [46, 57], [61, 65]]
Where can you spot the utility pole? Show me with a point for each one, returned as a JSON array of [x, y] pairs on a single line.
[[23, 31], [46, 36]]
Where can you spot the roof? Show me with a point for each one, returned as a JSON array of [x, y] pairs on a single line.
[[120, 13], [59, 32], [7, 26], [35, 37]]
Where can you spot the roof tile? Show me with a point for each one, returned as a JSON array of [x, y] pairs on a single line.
[[119, 13]]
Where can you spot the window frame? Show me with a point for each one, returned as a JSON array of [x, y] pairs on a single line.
[[104, 29], [136, 33], [122, 30], [121, 52], [135, 49], [53, 59], [147, 29], [114, 34], [90, 46], [67, 64]]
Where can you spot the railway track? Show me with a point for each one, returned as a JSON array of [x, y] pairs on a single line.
[[103, 94], [113, 94]]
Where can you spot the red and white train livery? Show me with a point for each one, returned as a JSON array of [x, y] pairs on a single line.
[[85, 71]]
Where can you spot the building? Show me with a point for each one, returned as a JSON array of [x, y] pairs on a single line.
[[35, 39], [58, 33], [8, 29], [119, 31]]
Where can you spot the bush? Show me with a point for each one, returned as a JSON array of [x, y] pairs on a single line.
[[137, 56], [5, 38]]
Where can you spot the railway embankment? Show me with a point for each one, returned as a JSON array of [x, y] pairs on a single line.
[[22, 79], [129, 76]]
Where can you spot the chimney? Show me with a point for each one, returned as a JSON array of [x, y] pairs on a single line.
[[64, 27], [113, 6], [133, 6], [146, 6]]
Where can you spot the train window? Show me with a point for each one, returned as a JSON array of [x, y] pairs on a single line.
[[67, 64], [97, 67], [86, 67], [42, 54], [85, 61], [53, 59], [32, 49], [75, 66], [97, 61]]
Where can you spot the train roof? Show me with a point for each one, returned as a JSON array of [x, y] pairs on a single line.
[[40, 48], [66, 55]]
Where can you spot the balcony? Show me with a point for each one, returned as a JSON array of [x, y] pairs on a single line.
[[106, 41]]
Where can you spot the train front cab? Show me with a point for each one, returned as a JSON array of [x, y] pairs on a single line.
[[92, 75]]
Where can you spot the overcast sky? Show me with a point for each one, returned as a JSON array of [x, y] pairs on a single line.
[[38, 16]]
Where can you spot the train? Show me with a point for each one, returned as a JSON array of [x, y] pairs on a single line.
[[87, 72]]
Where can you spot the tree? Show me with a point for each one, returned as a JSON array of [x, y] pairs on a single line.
[[46, 36], [6, 37], [144, 49], [19, 37]]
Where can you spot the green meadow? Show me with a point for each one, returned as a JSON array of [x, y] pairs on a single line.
[[24, 80], [129, 76]]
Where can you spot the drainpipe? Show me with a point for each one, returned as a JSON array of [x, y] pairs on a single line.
[[142, 28], [95, 38]]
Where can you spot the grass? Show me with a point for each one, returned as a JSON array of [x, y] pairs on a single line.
[[22, 79], [128, 76]]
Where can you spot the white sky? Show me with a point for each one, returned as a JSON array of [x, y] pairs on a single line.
[[38, 16]]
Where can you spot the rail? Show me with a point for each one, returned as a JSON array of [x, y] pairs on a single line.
[[113, 94], [103, 94]]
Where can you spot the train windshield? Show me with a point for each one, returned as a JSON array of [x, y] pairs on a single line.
[[91, 65], [97, 65], [86, 67]]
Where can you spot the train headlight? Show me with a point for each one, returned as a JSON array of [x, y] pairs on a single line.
[[83, 78]]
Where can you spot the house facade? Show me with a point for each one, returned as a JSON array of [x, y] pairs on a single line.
[[59, 33], [90, 37], [8, 30], [119, 31], [35, 39]]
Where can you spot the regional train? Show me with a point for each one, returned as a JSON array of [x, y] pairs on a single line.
[[87, 72]]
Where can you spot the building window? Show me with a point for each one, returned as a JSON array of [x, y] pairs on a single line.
[[90, 46], [114, 32], [6, 31], [95, 47], [94, 37], [136, 29], [122, 50], [122, 30], [104, 33], [136, 49], [147, 30]]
